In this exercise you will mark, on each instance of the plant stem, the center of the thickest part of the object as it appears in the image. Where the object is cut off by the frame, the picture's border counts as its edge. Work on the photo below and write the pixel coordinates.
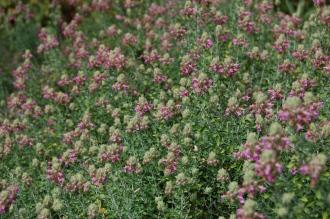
(300, 8)
(289, 5)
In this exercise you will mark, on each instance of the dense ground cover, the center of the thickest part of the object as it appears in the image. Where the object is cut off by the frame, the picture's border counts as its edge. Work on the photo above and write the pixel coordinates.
(165, 109)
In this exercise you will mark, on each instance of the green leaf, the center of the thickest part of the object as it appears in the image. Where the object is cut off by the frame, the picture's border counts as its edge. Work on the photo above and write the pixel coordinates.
(318, 194)
(304, 199)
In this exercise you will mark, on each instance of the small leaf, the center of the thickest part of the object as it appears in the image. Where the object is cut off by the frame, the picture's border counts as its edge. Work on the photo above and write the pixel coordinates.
(318, 194)
(304, 199)
(325, 215)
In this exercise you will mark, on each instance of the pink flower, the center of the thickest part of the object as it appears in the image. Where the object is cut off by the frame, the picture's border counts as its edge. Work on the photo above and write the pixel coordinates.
(48, 42)
(201, 84)
(219, 19)
(132, 166)
(299, 114)
(10, 197)
(166, 112)
(246, 23)
(110, 152)
(314, 168)
(229, 68)
(287, 67)
(187, 68)
(281, 44)
(267, 167)
(319, 2)
(143, 107)
(54, 172)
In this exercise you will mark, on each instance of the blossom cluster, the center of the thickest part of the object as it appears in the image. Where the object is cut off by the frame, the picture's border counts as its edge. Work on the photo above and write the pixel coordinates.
(166, 109)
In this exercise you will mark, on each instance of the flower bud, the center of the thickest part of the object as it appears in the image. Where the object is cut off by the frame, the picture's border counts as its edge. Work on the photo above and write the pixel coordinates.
(287, 197)
(282, 212)
(275, 129)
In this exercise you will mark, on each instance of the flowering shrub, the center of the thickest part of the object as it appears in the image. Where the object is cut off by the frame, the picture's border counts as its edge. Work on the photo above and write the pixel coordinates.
(167, 109)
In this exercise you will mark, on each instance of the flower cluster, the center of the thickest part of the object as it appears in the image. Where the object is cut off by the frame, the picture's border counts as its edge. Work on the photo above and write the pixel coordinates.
(7, 197)
(314, 168)
(175, 109)
(300, 113)
(229, 68)
(48, 41)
